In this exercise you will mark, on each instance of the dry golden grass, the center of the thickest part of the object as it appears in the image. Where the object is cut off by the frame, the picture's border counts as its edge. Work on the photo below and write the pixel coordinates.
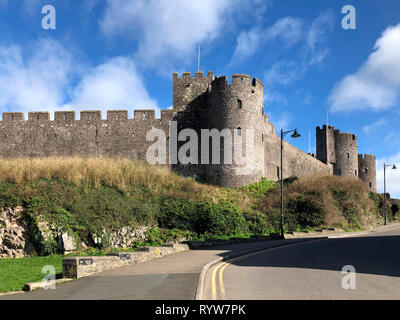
(320, 189)
(113, 172)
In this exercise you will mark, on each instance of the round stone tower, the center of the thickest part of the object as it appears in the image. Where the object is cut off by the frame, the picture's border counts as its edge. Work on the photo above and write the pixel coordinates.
(367, 170)
(346, 154)
(237, 108)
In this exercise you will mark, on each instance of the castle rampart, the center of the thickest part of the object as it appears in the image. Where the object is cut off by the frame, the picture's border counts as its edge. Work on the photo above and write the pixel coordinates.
(200, 102)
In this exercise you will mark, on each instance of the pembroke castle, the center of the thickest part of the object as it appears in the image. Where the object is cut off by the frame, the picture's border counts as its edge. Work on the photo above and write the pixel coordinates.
(199, 102)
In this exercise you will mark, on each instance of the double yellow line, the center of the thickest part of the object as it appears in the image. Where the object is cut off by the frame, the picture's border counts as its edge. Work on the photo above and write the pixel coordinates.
(223, 265)
(221, 268)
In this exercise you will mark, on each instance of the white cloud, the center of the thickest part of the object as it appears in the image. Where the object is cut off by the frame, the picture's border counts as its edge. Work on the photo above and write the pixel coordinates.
(114, 84)
(287, 29)
(35, 82)
(282, 72)
(167, 31)
(45, 77)
(392, 176)
(376, 84)
(376, 124)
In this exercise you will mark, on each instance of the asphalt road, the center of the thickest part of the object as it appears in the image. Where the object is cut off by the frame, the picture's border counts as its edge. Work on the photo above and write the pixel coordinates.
(168, 278)
(313, 270)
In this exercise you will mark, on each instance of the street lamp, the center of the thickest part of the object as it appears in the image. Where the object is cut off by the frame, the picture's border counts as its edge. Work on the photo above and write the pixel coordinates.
(283, 134)
(384, 186)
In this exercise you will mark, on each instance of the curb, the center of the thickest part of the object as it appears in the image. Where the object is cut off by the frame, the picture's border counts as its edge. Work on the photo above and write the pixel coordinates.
(40, 285)
(200, 283)
(10, 293)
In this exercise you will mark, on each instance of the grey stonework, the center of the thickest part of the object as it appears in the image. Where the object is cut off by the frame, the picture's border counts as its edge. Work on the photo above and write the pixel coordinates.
(340, 150)
(200, 102)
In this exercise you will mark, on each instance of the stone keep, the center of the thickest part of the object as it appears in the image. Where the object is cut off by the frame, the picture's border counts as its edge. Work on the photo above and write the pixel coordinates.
(199, 102)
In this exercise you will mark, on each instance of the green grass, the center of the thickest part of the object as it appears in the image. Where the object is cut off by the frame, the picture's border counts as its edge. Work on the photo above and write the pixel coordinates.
(14, 273)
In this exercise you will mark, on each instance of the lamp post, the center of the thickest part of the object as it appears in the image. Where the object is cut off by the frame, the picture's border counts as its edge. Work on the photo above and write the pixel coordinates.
(283, 134)
(384, 186)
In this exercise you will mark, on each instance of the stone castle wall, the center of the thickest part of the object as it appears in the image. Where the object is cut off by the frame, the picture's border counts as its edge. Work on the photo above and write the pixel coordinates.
(200, 102)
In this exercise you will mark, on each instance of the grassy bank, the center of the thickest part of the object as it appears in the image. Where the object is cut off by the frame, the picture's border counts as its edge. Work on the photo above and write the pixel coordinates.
(14, 273)
(95, 197)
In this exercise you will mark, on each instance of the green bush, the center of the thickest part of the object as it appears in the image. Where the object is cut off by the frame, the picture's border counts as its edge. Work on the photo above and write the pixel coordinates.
(262, 186)
(303, 212)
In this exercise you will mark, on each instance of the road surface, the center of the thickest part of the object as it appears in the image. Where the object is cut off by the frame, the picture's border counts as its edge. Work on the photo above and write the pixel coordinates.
(313, 270)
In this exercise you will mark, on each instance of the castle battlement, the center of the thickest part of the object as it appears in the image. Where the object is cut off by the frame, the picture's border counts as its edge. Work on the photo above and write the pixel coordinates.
(187, 76)
(87, 115)
(239, 81)
(366, 157)
(199, 102)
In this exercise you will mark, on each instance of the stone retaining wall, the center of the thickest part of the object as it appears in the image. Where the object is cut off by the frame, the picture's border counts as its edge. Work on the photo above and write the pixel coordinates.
(77, 267)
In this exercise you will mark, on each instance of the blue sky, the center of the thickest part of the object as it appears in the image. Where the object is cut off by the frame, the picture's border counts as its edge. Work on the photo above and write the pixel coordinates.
(107, 54)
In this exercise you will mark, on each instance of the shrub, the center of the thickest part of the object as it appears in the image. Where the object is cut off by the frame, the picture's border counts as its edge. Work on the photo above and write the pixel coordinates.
(304, 212)
(262, 186)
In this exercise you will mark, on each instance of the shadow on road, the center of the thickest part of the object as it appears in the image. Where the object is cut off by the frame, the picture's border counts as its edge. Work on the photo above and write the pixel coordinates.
(379, 255)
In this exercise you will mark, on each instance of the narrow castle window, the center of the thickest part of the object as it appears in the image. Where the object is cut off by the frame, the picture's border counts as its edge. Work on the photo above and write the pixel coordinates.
(347, 155)
(241, 80)
(117, 116)
(262, 137)
(144, 116)
(239, 104)
(239, 131)
(355, 173)
(37, 117)
(339, 172)
(277, 172)
(90, 117)
(12, 117)
(365, 170)
(65, 117)
(370, 184)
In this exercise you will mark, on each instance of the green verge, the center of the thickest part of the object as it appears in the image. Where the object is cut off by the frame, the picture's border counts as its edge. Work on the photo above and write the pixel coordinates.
(14, 273)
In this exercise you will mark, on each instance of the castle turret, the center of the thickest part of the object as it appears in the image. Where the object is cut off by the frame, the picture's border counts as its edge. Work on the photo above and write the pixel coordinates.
(346, 154)
(367, 170)
(326, 148)
(238, 107)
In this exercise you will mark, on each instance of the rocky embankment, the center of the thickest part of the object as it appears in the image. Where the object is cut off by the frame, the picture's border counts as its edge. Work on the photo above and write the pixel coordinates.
(17, 239)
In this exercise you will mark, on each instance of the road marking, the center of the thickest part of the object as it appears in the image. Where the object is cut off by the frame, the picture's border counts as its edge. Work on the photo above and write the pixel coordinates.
(213, 286)
(224, 265)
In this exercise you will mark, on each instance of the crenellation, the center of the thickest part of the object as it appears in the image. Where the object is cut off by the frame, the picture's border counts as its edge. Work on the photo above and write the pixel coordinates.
(257, 83)
(39, 116)
(91, 115)
(144, 115)
(65, 116)
(13, 116)
(199, 102)
(243, 80)
(167, 115)
(117, 115)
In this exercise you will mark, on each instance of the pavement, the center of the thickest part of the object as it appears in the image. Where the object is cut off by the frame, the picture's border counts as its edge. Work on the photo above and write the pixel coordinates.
(313, 270)
(303, 268)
